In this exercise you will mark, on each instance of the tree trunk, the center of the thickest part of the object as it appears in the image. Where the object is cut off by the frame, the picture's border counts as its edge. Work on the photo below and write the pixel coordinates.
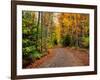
(38, 23)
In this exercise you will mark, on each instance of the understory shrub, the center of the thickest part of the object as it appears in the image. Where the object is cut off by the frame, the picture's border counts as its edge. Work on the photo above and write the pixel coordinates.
(66, 40)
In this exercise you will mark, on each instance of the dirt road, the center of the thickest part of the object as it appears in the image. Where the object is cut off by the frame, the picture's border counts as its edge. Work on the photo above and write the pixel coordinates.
(63, 57)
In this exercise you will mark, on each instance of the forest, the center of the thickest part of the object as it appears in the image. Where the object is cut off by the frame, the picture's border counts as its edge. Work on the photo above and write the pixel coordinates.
(42, 31)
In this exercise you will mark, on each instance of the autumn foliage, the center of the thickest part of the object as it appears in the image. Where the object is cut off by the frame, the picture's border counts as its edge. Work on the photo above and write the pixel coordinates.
(44, 30)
